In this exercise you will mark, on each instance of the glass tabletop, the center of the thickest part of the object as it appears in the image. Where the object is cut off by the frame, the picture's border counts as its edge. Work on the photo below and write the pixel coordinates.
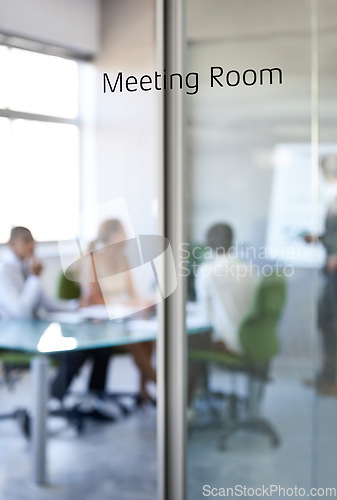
(43, 336)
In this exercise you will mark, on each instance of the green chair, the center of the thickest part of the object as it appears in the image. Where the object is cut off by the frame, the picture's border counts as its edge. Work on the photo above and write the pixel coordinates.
(13, 364)
(259, 342)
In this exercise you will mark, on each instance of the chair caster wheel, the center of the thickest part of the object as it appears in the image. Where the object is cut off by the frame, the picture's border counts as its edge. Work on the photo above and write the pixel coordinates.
(79, 428)
(24, 422)
(78, 424)
(276, 442)
(125, 411)
(222, 446)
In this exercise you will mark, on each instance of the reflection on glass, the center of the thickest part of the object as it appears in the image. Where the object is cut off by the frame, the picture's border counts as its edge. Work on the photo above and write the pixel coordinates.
(52, 340)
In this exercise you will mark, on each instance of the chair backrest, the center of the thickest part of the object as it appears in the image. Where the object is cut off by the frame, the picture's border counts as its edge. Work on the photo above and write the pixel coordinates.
(67, 289)
(258, 330)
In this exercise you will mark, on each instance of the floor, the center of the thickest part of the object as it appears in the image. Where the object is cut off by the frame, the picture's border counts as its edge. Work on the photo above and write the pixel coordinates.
(108, 461)
(118, 461)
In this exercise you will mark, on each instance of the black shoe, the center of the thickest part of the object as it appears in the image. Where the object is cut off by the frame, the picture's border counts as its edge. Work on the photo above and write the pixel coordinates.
(143, 401)
(100, 415)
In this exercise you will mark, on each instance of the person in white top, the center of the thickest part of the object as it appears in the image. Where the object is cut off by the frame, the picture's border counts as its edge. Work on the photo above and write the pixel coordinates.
(21, 292)
(111, 261)
(22, 297)
(225, 287)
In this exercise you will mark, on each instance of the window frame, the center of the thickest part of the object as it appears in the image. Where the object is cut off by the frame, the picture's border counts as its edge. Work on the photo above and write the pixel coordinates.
(49, 247)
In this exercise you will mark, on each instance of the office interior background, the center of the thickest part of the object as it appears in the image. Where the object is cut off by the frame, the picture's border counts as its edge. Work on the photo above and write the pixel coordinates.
(251, 159)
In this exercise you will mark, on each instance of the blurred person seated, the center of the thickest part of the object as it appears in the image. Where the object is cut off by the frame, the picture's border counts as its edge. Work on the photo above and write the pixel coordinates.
(110, 260)
(22, 297)
(225, 286)
(21, 291)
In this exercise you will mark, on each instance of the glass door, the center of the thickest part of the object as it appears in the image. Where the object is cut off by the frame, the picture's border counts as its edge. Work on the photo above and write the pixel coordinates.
(259, 409)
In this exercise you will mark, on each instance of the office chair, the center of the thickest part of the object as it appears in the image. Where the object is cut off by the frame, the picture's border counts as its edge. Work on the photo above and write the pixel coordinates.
(13, 365)
(259, 342)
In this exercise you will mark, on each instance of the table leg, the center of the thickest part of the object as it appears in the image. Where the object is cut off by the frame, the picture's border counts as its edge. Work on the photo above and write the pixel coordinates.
(40, 366)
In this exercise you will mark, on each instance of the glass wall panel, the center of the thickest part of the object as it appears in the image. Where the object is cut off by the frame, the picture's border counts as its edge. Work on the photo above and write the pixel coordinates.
(79, 169)
(326, 410)
(253, 265)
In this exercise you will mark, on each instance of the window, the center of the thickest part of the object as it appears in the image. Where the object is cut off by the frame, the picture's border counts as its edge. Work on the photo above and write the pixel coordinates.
(39, 156)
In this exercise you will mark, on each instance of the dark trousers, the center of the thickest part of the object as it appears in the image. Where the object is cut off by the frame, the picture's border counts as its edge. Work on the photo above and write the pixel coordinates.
(327, 317)
(70, 364)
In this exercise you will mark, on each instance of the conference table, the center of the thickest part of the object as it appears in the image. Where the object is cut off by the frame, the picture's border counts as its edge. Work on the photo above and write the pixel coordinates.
(41, 337)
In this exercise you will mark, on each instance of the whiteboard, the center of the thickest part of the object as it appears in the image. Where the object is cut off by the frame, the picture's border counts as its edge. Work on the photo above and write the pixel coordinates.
(298, 203)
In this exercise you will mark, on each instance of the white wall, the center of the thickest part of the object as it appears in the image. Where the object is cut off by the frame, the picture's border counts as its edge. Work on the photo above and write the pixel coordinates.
(126, 123)
(232, 132)
(72, 24)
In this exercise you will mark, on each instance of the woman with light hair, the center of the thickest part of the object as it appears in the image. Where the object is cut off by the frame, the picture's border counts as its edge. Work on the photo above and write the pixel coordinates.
(108, 259)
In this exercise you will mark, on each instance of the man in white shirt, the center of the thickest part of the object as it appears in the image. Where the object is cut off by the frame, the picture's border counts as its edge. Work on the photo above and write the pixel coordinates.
(21, 293)
(225, 287)
(22, 296)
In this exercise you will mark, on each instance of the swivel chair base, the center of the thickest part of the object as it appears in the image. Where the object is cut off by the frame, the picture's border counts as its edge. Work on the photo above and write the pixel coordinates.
(253, 424)
(22, 418)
